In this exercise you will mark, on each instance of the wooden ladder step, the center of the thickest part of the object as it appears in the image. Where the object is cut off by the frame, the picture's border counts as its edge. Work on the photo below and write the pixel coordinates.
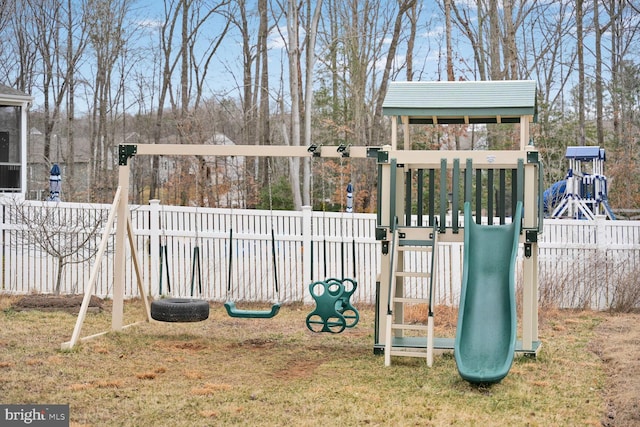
(411, 300)
(424, 274)
(408, 327)
(408, 353)
(415, 249)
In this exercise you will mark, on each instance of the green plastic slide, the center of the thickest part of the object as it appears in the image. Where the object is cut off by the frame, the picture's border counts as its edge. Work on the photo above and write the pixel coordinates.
(486, 333)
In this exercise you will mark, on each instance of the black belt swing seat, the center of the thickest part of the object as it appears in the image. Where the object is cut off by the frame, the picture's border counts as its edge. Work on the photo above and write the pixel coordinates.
(230, 306)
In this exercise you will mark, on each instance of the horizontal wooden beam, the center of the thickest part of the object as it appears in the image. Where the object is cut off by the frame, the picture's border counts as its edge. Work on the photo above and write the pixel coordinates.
(248, 150)
(426, 159)
(430, 159)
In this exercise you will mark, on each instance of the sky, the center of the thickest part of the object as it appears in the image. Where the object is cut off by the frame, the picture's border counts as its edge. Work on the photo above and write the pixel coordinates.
(226, 69)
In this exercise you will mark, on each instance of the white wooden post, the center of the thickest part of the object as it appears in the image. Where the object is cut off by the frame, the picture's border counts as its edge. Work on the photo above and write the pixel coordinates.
(24, 136)
(601, 249)
(306, 253)
(120, 250)
(394, 132)
(530, 264)
(154, 246)
(406, 144)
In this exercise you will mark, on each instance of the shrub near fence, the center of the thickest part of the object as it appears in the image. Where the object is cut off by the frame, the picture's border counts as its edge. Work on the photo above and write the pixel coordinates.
(582, 263)
(590, 264)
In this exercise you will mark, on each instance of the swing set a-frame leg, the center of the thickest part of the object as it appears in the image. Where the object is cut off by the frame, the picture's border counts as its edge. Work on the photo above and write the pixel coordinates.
(118, 292)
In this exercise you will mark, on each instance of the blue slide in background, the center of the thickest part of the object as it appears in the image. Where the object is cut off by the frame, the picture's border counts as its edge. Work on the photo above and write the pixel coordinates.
(487, 322)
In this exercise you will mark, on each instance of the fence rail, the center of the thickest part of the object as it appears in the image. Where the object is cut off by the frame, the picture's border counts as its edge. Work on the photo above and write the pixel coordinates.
(582, 263)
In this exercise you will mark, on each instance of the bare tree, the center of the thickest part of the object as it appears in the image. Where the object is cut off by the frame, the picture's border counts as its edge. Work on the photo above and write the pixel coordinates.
(404, 6)
(254, 87)
(624, 29)
(312, 33)
(550, 58)
(47, 18)
(76, 44)
(262, 70)
(18, 55)
(581, 71)
(6, 10)
(449, 48)
(182, 28)
(107, 36)
(69, 235)
(492, 32)
(547, 57)
(295, 85)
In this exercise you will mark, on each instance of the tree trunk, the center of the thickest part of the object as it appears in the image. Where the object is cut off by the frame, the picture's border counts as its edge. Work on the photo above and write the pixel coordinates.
(61, 264)
(494, 41)
(294, 86)
(447, 25)
(510, 49)
(70, 154)
(581, 77)
(308, 101)
(598, 76)
(413, 23)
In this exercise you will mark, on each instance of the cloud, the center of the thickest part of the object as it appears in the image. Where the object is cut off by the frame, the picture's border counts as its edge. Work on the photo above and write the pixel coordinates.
(149, 23)
(435, 32)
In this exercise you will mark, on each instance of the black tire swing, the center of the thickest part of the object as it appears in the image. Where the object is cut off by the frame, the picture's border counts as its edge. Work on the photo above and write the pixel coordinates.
(180, 309)
(230, 305)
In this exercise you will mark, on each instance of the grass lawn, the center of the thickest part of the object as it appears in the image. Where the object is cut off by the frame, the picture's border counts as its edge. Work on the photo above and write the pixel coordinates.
(227, 371)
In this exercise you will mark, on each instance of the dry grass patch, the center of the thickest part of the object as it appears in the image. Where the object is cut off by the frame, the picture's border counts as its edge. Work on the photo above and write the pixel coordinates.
(150, 375)
(264, 372)
(96, 384)
(209, 414)
(146, 375)
(80, 387)
(194, 375)
(617, 346)
(209, 389)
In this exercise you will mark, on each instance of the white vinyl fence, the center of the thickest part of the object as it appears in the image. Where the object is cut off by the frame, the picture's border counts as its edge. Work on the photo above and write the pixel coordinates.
(582, 263)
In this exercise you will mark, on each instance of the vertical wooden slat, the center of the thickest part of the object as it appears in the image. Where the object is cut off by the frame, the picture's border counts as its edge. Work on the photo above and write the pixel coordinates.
(490, 212)
(443, 195)
(514, 189)
(432, 197)
(478, 196)
(408, 197)
(468, 181)
(455, 196)
(502, 195)
(420, 197)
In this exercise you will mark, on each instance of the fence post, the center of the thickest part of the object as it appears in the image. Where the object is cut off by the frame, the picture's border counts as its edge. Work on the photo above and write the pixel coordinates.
(154, 246)
(306, 253)
(601, 262)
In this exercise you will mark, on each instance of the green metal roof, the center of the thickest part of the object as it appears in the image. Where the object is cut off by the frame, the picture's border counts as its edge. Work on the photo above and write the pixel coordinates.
(493, 101)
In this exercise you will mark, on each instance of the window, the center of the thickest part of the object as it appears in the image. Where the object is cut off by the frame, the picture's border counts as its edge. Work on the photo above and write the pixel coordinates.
(10, 149)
